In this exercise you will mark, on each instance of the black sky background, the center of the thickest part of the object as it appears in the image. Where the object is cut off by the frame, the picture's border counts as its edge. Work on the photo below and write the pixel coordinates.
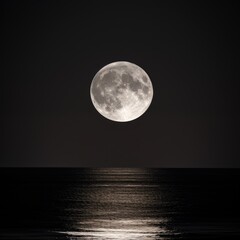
(53, 49)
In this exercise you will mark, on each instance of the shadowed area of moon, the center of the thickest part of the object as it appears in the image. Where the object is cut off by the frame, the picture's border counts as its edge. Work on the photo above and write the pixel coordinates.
(121, 91)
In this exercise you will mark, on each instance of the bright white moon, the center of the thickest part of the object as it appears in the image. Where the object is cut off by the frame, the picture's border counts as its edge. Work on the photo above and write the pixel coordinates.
(121, 91)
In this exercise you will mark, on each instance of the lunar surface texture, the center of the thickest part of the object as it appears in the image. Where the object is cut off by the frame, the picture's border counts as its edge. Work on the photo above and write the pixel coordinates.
(121, 91)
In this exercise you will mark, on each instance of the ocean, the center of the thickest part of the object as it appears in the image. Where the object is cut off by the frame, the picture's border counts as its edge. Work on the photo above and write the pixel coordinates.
(119, 203)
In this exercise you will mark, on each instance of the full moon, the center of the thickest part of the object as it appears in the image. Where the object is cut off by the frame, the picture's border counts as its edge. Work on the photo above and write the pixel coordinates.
(121, 91)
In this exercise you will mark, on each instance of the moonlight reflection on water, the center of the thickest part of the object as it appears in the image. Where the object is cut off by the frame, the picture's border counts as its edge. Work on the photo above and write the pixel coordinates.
(122, 229)
(118, 204)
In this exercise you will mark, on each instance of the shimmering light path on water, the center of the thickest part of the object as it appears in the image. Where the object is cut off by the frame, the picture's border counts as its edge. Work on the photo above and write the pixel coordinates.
(119, 204)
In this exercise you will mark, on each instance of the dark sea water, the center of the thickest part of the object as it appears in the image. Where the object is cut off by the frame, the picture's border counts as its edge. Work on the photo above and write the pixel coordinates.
(121, 203)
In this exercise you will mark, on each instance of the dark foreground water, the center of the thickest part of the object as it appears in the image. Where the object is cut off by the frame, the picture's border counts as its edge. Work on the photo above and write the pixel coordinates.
(126, 203)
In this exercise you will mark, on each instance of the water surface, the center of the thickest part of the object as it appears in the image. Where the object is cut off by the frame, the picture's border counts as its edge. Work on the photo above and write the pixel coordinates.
(120, 203)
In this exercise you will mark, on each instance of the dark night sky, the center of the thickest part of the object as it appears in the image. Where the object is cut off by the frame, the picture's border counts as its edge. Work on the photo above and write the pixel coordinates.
(53, 49)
